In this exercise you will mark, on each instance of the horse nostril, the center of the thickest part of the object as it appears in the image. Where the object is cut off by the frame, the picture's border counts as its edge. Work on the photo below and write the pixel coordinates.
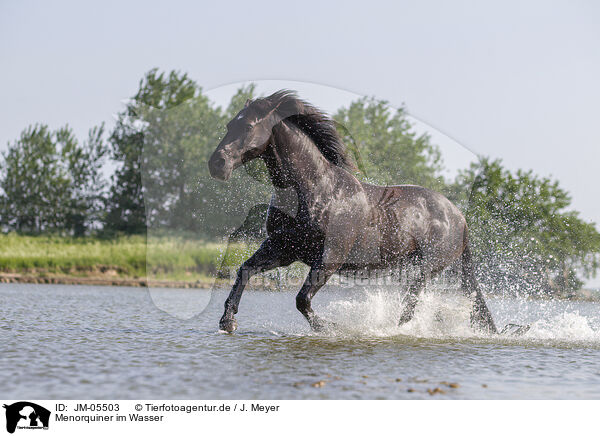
(219, 162)
(219, 167)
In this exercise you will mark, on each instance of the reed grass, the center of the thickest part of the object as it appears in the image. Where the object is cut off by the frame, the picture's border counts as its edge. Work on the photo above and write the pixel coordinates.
(169, 258)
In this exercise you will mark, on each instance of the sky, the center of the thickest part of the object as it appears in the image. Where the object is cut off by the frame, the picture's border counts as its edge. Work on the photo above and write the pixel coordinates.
(512, 80)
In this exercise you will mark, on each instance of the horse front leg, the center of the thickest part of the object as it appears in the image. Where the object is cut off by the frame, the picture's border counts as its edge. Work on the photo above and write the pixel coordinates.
(271, 254)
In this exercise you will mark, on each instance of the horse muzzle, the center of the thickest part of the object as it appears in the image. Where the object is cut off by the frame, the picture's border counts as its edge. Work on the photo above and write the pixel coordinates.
(219, 166)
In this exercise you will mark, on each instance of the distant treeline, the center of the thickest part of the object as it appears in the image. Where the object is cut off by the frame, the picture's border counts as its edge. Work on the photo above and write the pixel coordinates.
(522, 227)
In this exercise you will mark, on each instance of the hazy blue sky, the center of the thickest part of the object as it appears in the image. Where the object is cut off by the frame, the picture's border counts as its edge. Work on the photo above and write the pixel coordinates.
(514, 80)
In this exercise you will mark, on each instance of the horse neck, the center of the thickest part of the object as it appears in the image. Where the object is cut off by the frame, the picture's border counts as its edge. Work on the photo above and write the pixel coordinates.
(298, 162)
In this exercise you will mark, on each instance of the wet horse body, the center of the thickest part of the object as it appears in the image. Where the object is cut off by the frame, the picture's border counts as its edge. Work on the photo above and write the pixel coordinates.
(330, 220)
(400, 224)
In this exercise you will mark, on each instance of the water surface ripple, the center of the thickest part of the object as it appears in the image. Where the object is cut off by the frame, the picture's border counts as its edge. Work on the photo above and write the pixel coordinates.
(73, 342)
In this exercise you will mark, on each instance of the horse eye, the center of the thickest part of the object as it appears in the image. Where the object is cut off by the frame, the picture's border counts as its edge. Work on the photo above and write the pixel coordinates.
(248, 127)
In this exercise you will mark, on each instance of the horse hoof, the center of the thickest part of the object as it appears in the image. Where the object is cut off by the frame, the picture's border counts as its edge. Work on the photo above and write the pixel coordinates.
(484, 329)
(321, 325)
(228, 325)
(515, 329)
(404, 320)
(483, 325)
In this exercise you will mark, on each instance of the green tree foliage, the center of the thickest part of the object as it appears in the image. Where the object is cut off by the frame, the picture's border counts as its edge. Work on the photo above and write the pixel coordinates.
(126, 210)
(389, 151)
(162, 142)
(176, 140)
(523, 231)
(51, 182)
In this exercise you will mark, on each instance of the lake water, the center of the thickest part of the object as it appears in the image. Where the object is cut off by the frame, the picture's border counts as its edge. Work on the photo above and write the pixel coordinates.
(104, 343)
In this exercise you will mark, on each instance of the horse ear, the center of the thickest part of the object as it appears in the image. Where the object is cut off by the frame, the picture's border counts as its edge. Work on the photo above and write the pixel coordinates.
(248, 101)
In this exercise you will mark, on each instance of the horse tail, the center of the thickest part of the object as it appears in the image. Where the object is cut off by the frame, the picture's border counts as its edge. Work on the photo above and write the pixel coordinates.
(480, 316)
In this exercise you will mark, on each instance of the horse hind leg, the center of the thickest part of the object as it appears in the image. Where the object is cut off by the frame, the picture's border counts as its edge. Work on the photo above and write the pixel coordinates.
(412, 298)
(429, 268)
(481, 317)
(317, 277)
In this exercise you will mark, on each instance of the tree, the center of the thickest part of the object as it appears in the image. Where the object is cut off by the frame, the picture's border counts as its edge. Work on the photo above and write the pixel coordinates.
(389, 151)
(51, 182)
(162, 143)
(32, 181)
(85, 207)
(126, 209)
(175, 152)
(524, 233)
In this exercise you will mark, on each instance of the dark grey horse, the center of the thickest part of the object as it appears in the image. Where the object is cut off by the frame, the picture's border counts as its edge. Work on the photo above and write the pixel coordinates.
(337, 223)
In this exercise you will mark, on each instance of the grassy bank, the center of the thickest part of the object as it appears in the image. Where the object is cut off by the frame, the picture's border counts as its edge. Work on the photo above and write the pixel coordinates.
(126, 257)
(133, 261)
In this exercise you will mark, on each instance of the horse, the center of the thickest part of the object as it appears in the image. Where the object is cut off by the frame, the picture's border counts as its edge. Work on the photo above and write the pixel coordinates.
(338, 223)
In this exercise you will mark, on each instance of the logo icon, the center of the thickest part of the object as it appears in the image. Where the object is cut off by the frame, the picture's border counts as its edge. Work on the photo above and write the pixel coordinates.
(26, 415)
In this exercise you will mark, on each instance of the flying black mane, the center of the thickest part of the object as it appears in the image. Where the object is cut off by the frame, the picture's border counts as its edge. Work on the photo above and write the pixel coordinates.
(314, 123)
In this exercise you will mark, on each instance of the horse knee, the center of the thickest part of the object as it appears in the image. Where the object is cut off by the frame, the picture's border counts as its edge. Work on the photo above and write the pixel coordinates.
(245, 272)
(302, 303)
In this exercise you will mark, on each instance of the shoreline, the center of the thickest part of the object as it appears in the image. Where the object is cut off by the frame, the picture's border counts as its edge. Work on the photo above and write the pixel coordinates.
(203, 283)
(104, 281)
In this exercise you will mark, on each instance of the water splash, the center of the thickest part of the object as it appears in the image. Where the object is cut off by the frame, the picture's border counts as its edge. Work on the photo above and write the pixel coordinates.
(565, 327)
(375, 313)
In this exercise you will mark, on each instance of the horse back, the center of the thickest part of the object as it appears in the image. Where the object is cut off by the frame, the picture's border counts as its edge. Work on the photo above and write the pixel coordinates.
(412, 218)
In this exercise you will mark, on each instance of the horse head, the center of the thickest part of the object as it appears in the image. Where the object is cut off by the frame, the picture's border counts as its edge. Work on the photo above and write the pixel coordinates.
(248, 135)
